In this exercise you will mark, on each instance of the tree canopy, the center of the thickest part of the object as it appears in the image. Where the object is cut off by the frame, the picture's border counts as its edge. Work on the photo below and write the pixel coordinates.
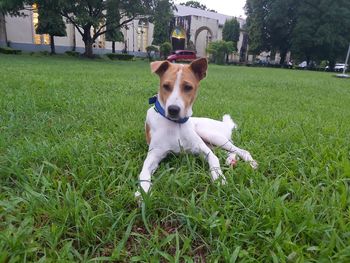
(231, 31)
(312, 29)
(198, 5)
(162, 18)
(93, 16)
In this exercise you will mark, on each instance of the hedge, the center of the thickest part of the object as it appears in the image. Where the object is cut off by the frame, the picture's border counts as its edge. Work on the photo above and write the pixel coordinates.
(117, 56)
(7, 50)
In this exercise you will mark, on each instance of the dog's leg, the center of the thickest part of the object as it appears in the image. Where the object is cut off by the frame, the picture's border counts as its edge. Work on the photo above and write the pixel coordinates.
(151, 163)
(213, 162)
(221, 141)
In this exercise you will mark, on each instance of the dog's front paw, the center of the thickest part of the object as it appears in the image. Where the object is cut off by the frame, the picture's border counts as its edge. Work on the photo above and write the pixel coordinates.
(254, 164)
(217, 175)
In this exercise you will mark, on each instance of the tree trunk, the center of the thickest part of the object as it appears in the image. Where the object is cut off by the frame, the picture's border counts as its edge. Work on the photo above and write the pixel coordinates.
(52, 45)
(3, 33)
(88, 49)
(88, 41)
(283, 57)
(113, 46)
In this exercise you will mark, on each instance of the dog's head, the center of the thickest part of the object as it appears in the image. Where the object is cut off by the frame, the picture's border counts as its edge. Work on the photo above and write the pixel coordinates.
(179, 85)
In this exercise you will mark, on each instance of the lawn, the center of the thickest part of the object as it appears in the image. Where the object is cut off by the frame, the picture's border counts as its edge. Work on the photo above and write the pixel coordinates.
(72, 145)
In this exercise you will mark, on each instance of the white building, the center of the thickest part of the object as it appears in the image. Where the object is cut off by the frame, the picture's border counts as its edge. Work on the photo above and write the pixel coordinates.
(192, 27)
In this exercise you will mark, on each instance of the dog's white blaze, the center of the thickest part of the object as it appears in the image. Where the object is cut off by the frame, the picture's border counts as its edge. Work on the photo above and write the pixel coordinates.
(175, 98)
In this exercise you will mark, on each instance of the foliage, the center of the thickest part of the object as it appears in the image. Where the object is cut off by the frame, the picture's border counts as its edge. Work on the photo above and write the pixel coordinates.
(162, 18)
(72, 53)
(231, 31)
(72, 145)
(88, 15)
(198, 5)
(281, 20)
(117, 56)
(11, 7)
(150, 50)
(165, 49)
(220, 49)
(322, 31)
(312, 30)
(7, 50)
(256, 26)
(50, 20)
(112, 22)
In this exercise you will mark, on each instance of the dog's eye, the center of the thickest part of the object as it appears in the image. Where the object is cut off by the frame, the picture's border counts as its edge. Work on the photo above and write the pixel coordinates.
(167, 87)
(188, 88)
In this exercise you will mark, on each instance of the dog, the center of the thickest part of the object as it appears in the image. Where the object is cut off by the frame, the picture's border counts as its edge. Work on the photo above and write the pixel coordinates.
(170, 128)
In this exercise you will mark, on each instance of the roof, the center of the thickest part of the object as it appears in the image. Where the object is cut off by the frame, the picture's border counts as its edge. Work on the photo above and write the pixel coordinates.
(190, 11)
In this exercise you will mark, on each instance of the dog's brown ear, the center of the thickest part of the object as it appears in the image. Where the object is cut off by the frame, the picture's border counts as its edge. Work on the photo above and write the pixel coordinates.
(159, 67)
(199, 68)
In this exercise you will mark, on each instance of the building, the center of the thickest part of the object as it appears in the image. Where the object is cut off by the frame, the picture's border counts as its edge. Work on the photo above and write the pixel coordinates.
(191, 29)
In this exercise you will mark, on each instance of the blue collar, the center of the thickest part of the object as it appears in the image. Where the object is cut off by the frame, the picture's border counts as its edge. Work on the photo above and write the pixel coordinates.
(158, 108)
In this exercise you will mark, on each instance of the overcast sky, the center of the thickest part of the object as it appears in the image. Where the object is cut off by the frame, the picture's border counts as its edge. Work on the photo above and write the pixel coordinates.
(227, 7)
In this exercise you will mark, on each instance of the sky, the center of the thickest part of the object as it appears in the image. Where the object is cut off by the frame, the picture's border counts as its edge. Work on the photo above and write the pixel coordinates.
(226, 7)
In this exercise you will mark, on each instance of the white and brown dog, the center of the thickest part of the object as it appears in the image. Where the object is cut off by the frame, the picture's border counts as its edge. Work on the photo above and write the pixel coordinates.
(170, 127)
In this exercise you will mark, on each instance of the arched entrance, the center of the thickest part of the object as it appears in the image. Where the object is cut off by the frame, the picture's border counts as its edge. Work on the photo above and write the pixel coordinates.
(178, 38)
(203, 37)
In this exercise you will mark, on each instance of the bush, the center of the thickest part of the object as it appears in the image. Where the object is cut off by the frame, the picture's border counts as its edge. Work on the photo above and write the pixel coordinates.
(220, 50)
(72, 53)
(7, 50)
(151, 49)
(44, 53)
(165, 49)
(117, 56)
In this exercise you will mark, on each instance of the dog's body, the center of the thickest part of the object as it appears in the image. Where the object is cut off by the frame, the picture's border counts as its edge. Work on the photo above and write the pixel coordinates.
(175, 131)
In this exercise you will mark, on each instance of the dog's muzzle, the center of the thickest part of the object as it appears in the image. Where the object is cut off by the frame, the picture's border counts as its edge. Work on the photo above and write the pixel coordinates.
(174, 111)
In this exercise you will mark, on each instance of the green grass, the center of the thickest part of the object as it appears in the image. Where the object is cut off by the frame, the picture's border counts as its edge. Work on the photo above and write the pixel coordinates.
(72, 145)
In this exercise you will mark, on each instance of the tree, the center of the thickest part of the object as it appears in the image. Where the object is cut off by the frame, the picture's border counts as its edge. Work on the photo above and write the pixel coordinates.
(90, 17)
(231, 32)
(162, 18)
(50, 21)
(322, 31)
(150, 50)
(196, 4)
(280, 21)
(256, 11)
(219, 50)
(113, 20)
(165, 49)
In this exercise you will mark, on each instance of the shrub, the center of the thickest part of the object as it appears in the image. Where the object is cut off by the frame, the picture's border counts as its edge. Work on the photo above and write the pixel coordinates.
(7, 50)
(117, 56)
(165, 49)
(220, 49)
(44, 53)
(72, 53)
(151, 49)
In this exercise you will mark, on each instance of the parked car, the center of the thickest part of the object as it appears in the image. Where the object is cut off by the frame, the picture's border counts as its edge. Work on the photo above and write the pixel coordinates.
(182, 55)
(303, 65)
(339, 67)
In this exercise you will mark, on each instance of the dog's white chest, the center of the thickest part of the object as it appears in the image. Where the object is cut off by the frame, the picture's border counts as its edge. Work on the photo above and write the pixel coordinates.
(170, 135)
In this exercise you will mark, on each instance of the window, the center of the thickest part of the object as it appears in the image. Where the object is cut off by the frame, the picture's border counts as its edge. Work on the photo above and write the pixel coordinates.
(37, 38)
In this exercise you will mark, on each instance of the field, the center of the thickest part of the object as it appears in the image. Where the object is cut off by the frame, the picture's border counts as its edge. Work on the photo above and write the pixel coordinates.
(72, 145)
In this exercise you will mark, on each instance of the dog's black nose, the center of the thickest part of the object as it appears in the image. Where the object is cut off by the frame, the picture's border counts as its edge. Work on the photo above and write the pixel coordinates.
(173, 111)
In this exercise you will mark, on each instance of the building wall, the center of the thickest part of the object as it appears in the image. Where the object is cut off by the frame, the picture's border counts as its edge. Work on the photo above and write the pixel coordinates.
(20, 29)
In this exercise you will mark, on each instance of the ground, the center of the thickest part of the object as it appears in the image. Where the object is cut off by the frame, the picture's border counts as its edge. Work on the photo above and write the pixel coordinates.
(72, 144)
